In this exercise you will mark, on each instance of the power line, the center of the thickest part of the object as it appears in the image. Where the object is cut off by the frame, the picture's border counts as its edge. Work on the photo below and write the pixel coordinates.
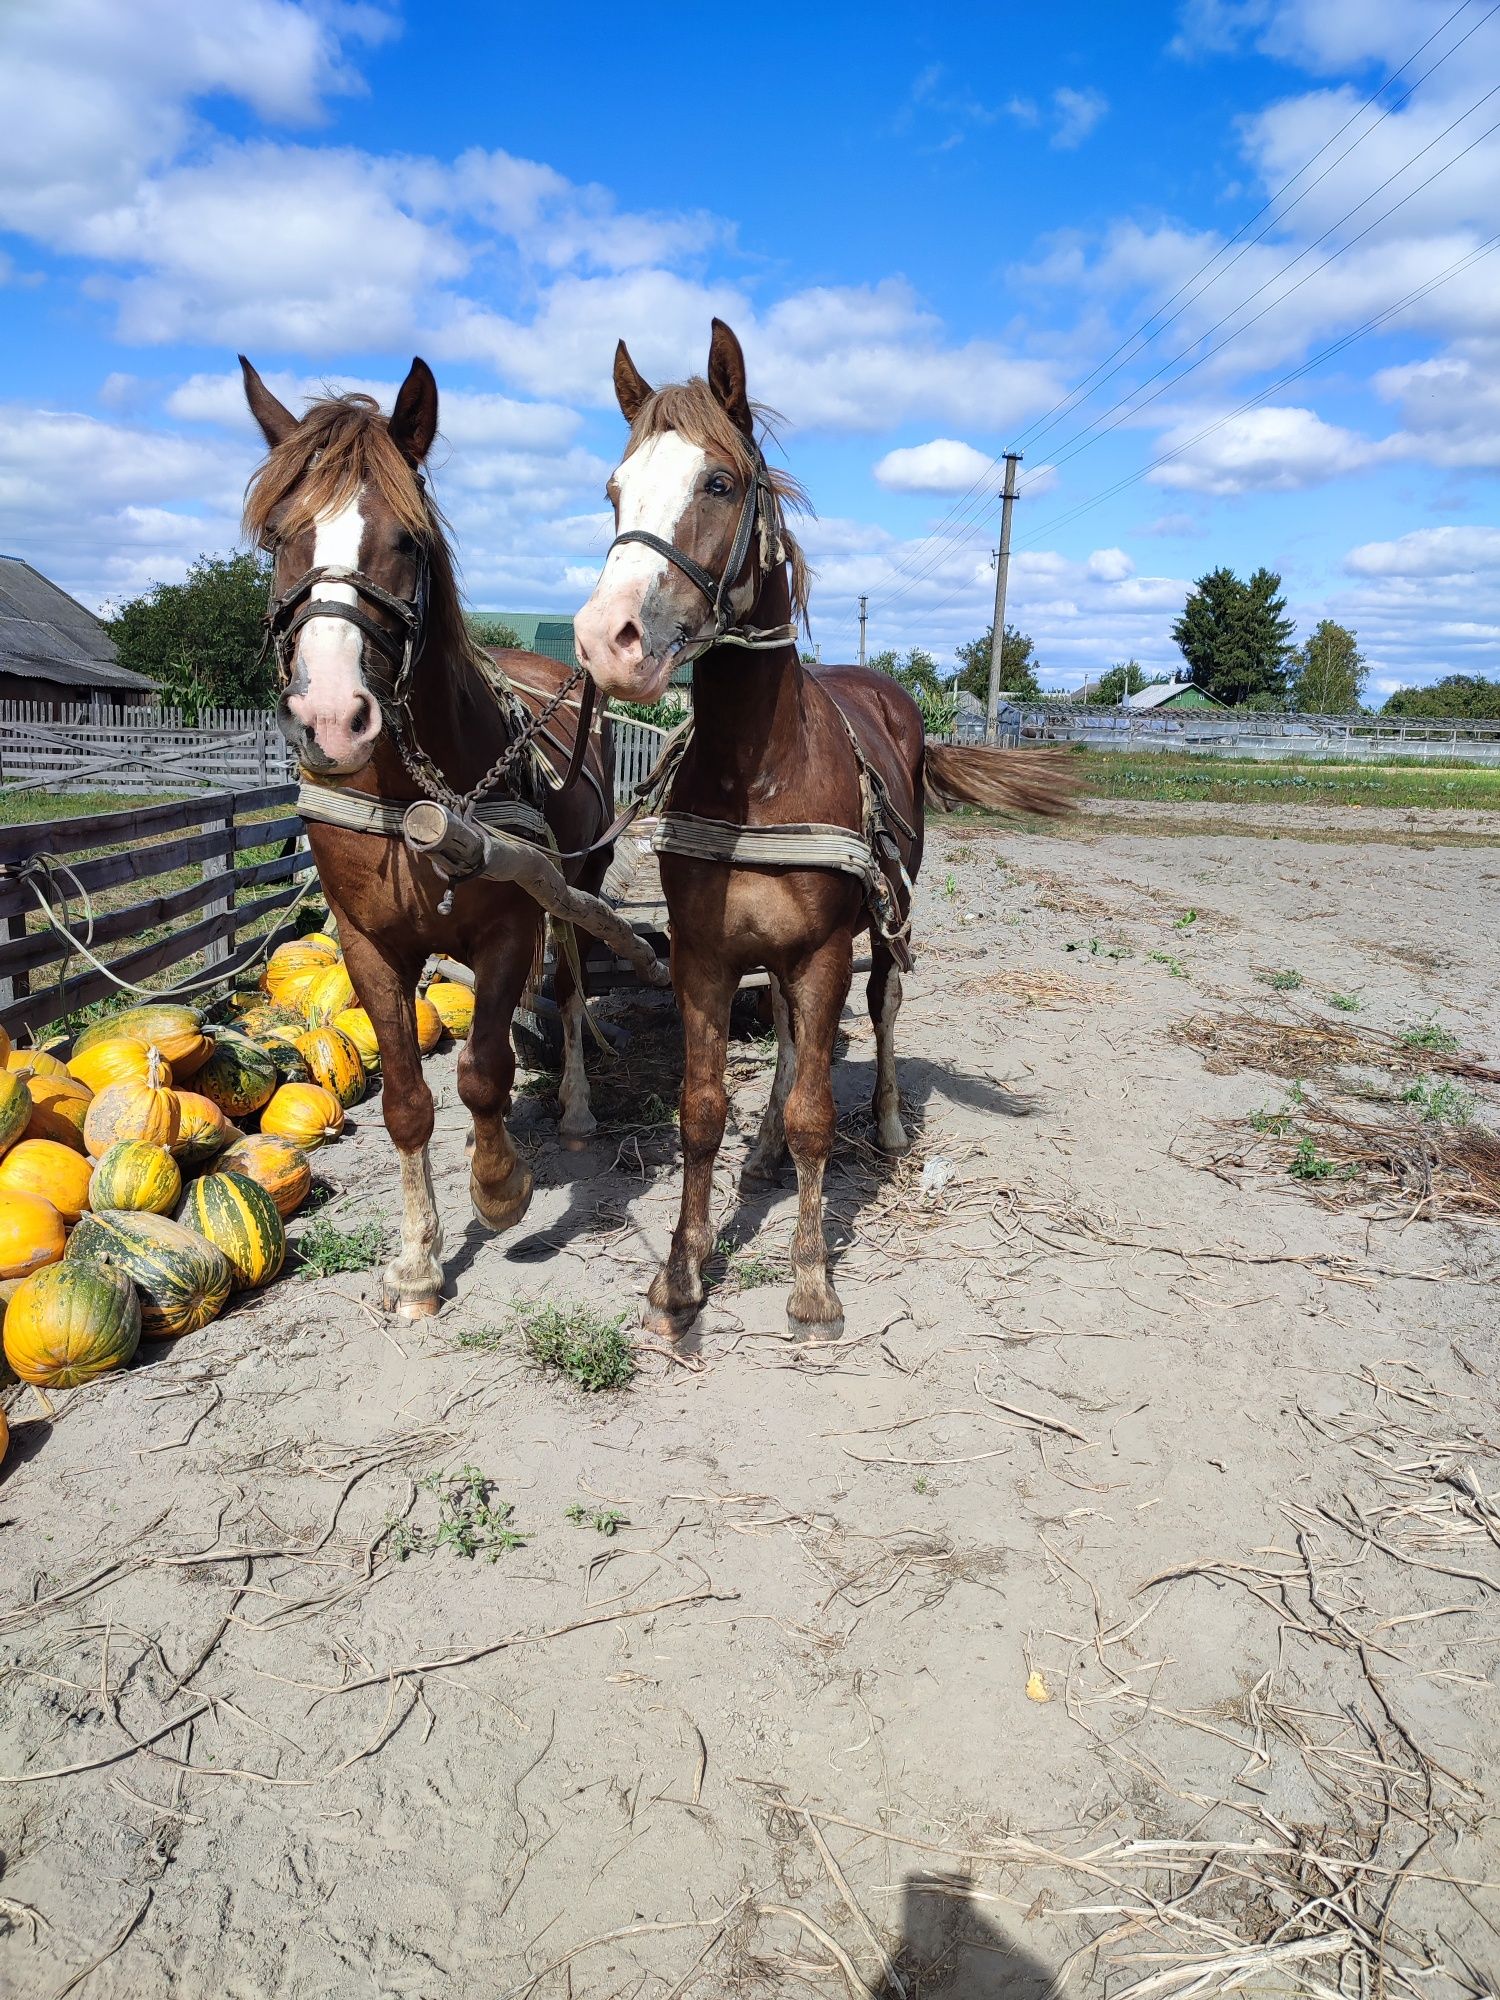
(1126, 407)
(1073, 396)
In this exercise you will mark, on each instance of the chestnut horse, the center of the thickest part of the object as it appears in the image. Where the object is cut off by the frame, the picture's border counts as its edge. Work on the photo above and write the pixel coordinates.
(385, 697)
(702, 568)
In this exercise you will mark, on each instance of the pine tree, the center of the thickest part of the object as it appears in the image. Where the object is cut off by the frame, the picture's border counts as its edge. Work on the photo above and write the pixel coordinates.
(1236, 638)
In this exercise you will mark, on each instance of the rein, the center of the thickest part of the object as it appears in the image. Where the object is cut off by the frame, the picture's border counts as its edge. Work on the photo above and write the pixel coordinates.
(728, 630)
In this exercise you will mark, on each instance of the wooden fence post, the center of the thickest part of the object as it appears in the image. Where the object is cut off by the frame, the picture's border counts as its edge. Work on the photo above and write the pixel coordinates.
(221, 864)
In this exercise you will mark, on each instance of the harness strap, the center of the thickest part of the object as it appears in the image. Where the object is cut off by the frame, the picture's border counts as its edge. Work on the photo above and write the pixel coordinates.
(809, 845)
(362, 812)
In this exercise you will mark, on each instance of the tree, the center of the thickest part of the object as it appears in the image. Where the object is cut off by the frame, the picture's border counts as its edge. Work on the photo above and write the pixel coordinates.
(1236, 638)
(488, 628)
(918, 674)
(1466, 696)
(1125, 677)
(1018, 665)
(1328, 671)
(200, 640)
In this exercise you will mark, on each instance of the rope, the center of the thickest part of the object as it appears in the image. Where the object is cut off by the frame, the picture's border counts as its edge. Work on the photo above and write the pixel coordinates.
(46, 867)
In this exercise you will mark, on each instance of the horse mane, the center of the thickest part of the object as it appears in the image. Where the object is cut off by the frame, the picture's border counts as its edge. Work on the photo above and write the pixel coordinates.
(692, 410)
(342, 446)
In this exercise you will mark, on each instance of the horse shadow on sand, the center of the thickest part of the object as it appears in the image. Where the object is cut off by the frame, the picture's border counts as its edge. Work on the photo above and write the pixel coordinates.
(636, 1089)
(949, 1950)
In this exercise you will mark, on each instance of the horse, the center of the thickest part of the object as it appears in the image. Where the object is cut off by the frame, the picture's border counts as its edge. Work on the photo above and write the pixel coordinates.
(385, 699)
(795, 817)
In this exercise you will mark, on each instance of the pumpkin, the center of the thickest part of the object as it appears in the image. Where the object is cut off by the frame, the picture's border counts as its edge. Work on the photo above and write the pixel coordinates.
(176, 1031)
(454, 1004)
(15, 1109)
(329, 993)
(202, 1128)
(289, 989)
(290, 1064)
(182, 1278)
(304, 1112)
(26, 1063)
(55, 1172)
(237, 1215)
(135, 1174)
(72, 1322)
(133, 1110)
(429, 1027)
(357, 1025)
(32, 1233)
(303, 954)
(59, 1105)
(335, 1063)
(257, 1022)
(278, 1165)
(238, 1076)
(122, 1059)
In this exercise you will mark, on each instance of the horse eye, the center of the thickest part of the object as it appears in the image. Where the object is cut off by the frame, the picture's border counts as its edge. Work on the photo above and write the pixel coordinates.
(719, 484)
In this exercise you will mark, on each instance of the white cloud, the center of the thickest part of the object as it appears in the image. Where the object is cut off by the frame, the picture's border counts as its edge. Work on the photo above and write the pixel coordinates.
(1270, 450)
(945, 465)
(1429, 552)
(1076, 113)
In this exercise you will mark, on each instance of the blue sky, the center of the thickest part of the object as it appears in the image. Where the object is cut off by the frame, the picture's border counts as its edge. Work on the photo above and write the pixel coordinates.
(927, 226)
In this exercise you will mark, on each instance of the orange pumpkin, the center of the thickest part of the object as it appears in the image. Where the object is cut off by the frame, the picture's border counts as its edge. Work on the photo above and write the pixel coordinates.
(72, 1322)
(202, 1128)
(59, 1105)
(134, 1174)
(15, 1109)
(357, 1025)
(177, 1031)
(305, 1113)
(26, 1063)
(56, 1173)
(455, 1006)
(329, 993)
(287, 991)
(303, 954)
(334, 1062)
(32, 1233)
(429, 1027)
(123, 1059)
(133, 1110)
(278, 1165)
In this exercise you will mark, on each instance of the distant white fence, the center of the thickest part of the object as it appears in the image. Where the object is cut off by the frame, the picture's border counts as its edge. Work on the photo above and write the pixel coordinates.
(102, 749)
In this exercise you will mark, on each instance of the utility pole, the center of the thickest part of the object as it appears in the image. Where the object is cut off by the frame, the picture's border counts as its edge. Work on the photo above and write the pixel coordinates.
(862, 603)
(1002, 577)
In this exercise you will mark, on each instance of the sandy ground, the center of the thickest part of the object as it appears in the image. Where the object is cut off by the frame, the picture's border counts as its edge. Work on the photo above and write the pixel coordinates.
(1118, 1599)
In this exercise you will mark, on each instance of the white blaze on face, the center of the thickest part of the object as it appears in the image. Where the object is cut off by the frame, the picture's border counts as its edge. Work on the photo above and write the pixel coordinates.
(656, 486)
(335, 703)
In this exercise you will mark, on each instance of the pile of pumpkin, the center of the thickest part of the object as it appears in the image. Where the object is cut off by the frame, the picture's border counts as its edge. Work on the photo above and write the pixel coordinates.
(134, 1198)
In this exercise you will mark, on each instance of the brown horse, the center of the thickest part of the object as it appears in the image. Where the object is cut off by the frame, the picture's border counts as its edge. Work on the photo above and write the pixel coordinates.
(703, 568)
(385, 697)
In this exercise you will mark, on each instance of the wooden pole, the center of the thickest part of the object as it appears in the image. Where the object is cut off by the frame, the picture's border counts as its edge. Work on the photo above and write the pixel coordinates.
(1002, 577)
(458, 847)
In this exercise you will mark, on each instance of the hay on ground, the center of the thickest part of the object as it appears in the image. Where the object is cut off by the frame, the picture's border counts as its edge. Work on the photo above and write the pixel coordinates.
(1306, 1047)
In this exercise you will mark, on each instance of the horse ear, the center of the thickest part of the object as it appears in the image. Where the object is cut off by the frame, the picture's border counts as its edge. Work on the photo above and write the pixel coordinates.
(275, 419)
(726, 377)
(414, 420)
(631, 387)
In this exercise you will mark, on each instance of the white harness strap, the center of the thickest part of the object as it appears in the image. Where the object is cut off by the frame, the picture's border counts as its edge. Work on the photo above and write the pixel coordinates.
(794, 846)
(359, 812)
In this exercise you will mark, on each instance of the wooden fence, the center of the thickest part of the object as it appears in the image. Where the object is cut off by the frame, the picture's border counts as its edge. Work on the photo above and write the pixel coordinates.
(42, 979)
(96, 748)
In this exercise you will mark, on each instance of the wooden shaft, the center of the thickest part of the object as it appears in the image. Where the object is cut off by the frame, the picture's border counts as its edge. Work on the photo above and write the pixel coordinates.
(463, 849)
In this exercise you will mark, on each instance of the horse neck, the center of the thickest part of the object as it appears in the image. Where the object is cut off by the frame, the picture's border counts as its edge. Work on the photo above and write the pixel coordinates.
(748, 706)
(453, 717)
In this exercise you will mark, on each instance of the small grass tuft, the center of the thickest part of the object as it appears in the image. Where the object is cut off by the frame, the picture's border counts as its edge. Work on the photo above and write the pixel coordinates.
(1174, 965)
(1347, 1003)
(1097, 948)
(1430, 1035)
(1186, 920)
(470, 1522)
(1440, 1101)
(1308, 1164)
(603, 1519)
(324, 1250)
(1284, 981)
(577, 1340)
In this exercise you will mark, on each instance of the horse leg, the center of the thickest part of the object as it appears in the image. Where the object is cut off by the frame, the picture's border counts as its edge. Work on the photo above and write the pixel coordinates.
(816, 996)
(884, 996)
(768, 1152)
(577, 1124)
(500, 1182)
(412, 1282)
(704, 993)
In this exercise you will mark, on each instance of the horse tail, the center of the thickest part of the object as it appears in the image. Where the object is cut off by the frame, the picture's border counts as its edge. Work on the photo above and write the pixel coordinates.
(1019, 781)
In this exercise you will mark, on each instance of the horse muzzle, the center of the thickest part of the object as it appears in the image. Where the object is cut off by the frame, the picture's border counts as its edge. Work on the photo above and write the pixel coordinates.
(331, 739)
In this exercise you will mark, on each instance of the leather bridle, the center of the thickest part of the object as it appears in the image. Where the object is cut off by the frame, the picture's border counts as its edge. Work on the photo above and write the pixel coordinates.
(388, 674)
(755, 516)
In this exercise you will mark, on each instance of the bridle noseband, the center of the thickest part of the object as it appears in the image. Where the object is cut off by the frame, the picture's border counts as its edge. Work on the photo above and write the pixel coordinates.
(389, 671)
(728, 630)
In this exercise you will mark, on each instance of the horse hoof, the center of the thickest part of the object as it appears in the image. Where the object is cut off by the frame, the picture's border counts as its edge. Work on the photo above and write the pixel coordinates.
(814, 1330)
(664, 1324)
(761, 1171)
(505, 1212)
(574, 1142)
(408, 1304)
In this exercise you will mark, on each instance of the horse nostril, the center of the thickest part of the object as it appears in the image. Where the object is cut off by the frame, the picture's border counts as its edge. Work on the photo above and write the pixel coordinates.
(362, 716)
(628, 638)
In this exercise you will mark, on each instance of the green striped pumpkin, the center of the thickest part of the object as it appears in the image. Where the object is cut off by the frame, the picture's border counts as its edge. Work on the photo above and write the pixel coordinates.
(239, 1076)
(182, 1278)
(237, 1215)
(136, 1175)
(71, 1322)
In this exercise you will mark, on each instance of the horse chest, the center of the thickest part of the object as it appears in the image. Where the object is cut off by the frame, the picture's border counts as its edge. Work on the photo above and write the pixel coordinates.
(756, 916)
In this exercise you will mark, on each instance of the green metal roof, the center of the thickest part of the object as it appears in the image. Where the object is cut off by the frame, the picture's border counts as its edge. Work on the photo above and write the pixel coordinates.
(544, 632)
